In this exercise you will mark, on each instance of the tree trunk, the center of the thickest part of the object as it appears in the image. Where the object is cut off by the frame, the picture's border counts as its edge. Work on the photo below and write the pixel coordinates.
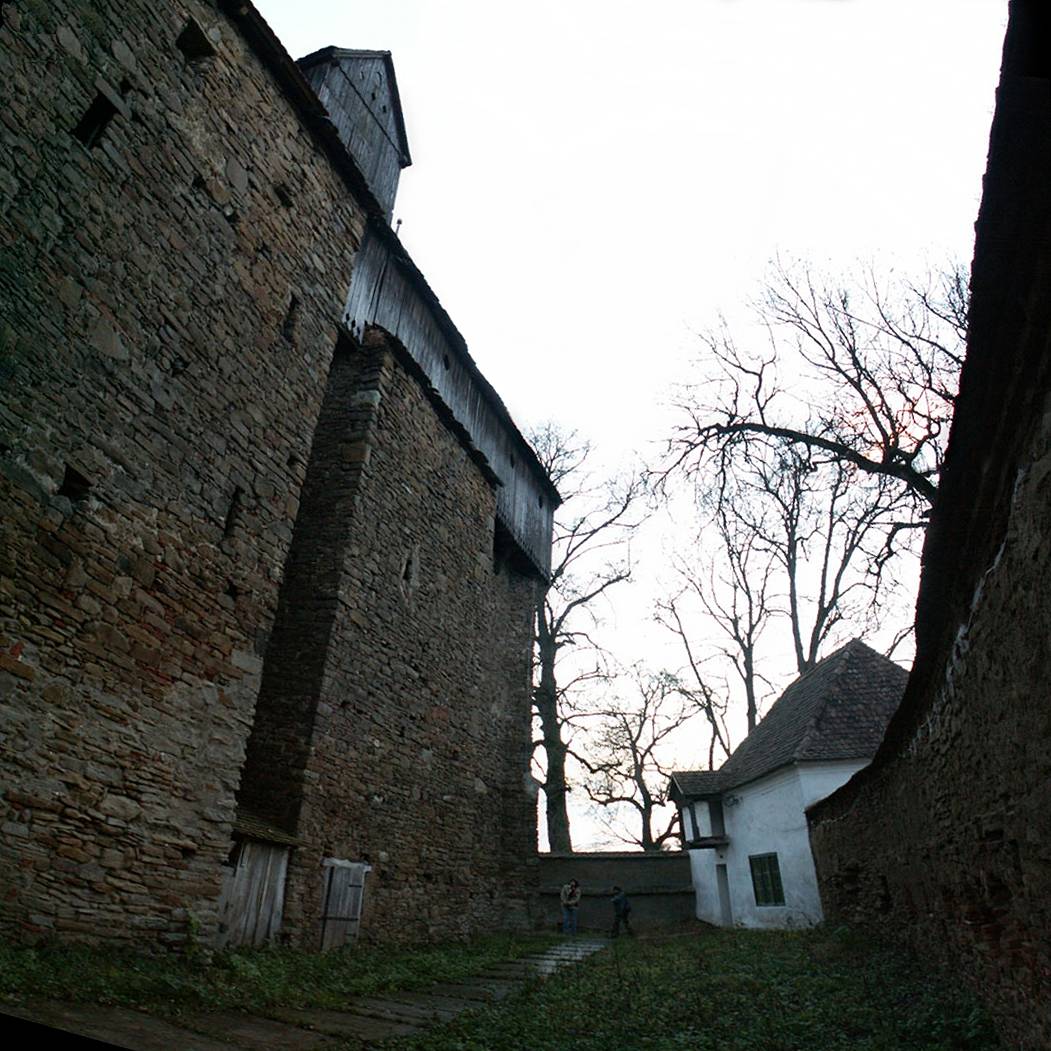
(545, 700)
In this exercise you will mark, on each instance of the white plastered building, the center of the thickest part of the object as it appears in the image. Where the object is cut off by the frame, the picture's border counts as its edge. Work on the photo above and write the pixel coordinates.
(745, 826)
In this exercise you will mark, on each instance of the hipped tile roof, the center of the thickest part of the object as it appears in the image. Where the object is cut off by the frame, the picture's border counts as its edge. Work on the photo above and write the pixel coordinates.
(837, 710)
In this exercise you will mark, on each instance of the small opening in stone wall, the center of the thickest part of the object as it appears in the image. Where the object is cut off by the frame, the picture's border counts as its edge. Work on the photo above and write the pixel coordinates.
(232, 590)
(885, 901)
(502, 550)
(230, 214)
(283, 194)
(74, 485)
(94, 122)
(408, 569)
(233, 513)
(193, 42)
(125, 87)
(288, 326)
(178, 366)
(446, 362)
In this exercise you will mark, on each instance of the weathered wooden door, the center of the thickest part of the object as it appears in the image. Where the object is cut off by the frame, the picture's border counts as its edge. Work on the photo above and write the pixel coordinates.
(253, 895)
(344, 896)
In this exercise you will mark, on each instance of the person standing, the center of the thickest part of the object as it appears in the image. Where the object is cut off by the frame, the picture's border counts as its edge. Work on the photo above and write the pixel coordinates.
(570, 902)
(621, 910)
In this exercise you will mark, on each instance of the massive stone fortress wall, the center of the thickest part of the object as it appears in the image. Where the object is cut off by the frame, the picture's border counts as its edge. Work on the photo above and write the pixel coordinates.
(419, 737)
(945, 839)
(175, 252)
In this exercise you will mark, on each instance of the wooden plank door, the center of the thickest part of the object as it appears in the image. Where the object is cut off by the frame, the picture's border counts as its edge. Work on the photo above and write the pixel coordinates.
(253, 895)
(343, 899)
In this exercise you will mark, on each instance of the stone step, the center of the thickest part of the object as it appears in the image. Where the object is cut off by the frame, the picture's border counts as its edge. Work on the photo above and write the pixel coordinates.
(464, 990)
(256, 1032)
(401, 1010)
(367, 1018)
(347, 1024)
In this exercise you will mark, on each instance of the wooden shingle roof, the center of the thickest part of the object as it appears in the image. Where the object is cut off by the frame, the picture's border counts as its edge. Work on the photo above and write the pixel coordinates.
(837, 710)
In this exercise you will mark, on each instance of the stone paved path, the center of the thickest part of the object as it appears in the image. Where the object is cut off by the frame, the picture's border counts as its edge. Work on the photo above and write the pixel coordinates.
(370, 1019)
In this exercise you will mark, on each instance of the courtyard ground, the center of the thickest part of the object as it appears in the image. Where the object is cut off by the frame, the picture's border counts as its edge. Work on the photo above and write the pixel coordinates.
(704, 989)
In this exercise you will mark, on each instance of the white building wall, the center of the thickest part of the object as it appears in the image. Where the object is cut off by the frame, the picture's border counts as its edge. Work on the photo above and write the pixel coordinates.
(822, 779)
(766, 817)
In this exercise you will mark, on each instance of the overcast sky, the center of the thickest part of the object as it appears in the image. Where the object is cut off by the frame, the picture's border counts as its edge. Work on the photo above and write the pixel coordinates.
(596, 180)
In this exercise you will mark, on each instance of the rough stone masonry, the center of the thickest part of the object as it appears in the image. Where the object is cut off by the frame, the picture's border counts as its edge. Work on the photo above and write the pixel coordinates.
(945, 840)
(263, 577)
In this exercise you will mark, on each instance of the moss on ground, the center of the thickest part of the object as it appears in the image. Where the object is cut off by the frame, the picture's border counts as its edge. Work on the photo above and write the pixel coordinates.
(710, 990)
(732, 991)
(249, 980)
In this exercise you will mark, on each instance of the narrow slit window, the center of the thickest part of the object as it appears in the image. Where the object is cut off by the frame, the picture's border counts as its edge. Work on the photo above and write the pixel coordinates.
(95, 121)
(288, 328)
(233, 513)
(75, 486)
(193, 42)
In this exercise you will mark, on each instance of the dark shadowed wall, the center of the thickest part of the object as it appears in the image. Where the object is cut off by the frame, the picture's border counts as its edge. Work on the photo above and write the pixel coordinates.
(945, 840)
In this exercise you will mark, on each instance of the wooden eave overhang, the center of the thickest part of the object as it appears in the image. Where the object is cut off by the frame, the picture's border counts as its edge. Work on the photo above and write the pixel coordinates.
(296, 88)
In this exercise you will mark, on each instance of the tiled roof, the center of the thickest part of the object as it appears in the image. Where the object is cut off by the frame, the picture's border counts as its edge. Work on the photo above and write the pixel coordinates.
(837, 710)
(693, 784)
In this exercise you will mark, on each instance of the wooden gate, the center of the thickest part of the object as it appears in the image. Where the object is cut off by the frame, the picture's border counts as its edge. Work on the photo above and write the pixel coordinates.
(344, 896)
(253, 894)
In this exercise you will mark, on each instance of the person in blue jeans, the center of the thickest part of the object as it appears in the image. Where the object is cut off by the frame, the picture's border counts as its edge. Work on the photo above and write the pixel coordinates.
(570, 902)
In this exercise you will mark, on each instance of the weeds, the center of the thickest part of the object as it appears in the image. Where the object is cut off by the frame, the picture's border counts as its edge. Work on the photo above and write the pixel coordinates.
(251, 980)
(732, 991)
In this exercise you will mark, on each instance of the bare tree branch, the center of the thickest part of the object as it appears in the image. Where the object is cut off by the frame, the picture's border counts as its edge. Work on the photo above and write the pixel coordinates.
(592, 537)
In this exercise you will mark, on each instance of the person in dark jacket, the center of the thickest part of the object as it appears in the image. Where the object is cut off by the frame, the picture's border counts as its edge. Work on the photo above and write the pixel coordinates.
(621, 910)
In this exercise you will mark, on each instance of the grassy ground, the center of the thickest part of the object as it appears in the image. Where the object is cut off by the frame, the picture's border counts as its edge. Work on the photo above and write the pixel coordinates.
(731, 991)
(709, 990)
(251, 980)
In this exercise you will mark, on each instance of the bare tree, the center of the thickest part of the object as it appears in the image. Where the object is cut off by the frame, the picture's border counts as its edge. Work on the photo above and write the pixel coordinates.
(816, 459)
(625, 748)
(865, 377)
(733, 589)
(591, 555)
(825, 529)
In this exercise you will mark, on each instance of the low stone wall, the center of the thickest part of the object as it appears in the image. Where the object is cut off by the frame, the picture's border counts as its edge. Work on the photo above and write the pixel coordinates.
(658, 886)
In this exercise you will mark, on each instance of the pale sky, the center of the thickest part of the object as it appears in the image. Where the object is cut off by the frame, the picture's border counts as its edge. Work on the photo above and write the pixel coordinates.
(593, 181)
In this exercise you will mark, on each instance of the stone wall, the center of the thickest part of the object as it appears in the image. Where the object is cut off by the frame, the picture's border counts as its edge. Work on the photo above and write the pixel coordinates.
(658, 886)
(418, 709)
(945, 840)
(175, 252)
